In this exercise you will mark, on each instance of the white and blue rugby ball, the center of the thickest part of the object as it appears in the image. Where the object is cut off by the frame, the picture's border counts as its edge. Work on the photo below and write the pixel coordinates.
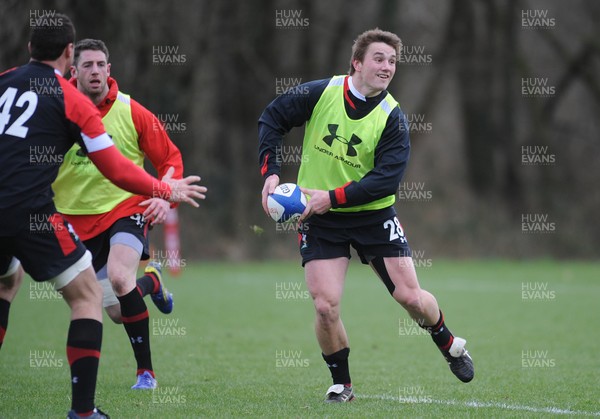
(287, 203)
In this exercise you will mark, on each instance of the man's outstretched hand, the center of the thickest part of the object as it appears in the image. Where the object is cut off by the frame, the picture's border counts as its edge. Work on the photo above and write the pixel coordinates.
(185, 190)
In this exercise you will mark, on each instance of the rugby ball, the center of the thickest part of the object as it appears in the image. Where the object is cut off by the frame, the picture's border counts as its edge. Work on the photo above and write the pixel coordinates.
(286, 203)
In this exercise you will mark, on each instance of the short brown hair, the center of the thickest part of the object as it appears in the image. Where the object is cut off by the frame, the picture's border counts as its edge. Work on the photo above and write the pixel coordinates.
(89, 44)
(49, 37)
(359, 49)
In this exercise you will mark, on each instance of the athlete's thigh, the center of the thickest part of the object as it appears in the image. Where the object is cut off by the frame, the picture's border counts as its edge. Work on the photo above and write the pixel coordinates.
(325, 257)
(123, 260)
(127, 231)
(128, 242)
(325, 278)
(132, 232)
(83, 295)
(397, 273)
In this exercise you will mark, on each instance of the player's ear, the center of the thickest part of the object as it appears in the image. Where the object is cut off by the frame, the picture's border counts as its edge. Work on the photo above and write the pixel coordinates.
(356, 64)
(108, 69)
(68, 51)
(29, 47)
(73, 71)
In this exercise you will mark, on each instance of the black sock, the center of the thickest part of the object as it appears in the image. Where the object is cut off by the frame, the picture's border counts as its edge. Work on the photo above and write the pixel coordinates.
(83, 353)
(337, 363)
(147, 284)
(135, 319)
(4, 309)
(440, 334)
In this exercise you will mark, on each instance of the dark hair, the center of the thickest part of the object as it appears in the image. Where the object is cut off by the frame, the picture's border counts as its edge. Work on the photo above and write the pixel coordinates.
(89, 44)
(359, 49)
(50, 35)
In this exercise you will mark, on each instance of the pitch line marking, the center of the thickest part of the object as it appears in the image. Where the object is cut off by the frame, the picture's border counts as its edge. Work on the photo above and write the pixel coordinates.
(479, 405)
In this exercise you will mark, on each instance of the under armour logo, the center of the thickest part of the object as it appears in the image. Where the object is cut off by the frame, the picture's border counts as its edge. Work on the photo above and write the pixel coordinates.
(137, 339)
(354, 140)
(139, 220)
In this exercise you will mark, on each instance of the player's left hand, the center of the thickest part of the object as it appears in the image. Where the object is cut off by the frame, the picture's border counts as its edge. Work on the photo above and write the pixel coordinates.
(157, 210)
(319, 203)
(184, 190)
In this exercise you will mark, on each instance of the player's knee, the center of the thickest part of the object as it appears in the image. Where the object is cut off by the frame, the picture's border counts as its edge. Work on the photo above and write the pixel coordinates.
(327, 310)
(120, 282)
(411, 301)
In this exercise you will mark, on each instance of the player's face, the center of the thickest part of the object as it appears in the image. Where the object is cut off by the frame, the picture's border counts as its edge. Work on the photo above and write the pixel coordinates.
(374, 73)
(92, 72)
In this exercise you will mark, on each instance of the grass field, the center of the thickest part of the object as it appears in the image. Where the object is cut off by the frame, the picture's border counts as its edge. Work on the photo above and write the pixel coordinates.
(240, 343)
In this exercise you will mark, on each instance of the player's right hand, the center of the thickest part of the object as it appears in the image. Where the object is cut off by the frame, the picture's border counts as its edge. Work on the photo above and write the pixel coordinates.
(269, 187)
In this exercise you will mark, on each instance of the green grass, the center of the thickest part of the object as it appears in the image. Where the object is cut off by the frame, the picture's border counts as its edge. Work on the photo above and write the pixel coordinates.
(224, 350)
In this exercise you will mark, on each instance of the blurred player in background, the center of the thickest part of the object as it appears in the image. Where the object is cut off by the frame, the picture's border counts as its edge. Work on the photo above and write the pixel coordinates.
(355, 151)
(114, 225)
(41, 117)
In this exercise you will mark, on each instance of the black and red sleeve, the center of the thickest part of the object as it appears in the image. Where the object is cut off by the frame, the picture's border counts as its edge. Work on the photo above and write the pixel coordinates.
(289, 110)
